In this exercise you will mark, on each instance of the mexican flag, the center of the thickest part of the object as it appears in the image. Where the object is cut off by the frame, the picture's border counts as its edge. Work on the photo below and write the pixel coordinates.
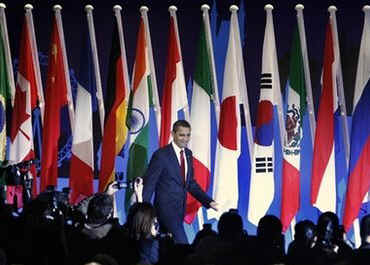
(296, 108)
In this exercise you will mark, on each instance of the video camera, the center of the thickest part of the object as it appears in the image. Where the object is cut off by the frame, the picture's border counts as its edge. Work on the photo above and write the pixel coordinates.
(55, 207)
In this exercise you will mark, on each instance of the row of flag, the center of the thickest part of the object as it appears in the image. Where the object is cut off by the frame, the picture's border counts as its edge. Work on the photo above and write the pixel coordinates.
(130, 111)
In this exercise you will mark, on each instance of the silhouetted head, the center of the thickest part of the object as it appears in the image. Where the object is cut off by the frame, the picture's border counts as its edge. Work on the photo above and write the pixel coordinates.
(269, 228)
(327, 226)
(207, 231)
(305, 232)
(102, 259)
(142, 221)
(230, 226)
(365, 229)
(100, 209)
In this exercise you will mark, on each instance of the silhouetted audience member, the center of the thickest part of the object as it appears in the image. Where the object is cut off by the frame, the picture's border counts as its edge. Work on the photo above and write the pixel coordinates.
(300, 249)
(142, 227)
(207, 231)
(101, 234)
(230, 226)
(365, 232)
(362, 255)
(102, 259)
(269, 246)
(228, 247)
(330, 247)
(44, 239)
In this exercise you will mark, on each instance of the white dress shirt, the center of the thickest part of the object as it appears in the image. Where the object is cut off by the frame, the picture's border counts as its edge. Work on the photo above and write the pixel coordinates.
(177, 152)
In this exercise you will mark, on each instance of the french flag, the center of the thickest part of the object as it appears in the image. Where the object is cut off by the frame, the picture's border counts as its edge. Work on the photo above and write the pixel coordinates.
(82, 160)
(359, 164)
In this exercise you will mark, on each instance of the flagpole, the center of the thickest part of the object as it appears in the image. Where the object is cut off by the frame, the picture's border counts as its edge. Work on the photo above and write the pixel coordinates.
(216, 100)
(302, 35)
(215, 97)
(243, 84)
(58, 17)
(8, 56)
(157, 105)
(117, 12)
(99, 94)
(40, 92)
(341, 98)
(277, 92)
(172, 10)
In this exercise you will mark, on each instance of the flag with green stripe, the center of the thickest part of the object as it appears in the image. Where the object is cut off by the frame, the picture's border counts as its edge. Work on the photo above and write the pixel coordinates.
(139, 112)
(4, 96)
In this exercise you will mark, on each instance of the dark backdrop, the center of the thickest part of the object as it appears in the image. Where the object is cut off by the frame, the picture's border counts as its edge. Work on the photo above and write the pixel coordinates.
(349, 18)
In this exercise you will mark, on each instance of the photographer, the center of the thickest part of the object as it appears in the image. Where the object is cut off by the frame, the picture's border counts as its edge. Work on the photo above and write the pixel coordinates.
(101, 232)
(44, 230)
(142, 227)
(16, 183)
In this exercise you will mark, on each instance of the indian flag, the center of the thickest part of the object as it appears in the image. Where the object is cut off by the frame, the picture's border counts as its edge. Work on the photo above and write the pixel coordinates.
(139, 111)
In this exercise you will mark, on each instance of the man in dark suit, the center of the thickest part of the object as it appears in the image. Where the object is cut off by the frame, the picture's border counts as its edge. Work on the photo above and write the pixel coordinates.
(170, 176)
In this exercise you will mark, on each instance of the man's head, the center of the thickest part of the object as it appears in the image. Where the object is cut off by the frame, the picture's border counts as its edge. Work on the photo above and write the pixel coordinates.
(230, 226)
(365, 229)
(100, 209)
(327, 226)
(181, 131)
(305, 233)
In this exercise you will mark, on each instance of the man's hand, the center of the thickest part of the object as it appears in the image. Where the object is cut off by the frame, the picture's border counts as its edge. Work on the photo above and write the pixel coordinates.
(138, 189)
(214, 205)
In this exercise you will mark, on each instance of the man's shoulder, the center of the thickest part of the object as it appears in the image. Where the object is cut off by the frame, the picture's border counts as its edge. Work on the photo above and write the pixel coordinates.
(163, 150)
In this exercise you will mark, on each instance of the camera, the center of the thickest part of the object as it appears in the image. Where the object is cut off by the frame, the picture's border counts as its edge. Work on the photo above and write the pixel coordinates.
(128, 184)
(123, 185)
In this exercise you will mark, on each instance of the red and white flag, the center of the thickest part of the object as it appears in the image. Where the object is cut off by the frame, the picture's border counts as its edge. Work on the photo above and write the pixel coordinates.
(225, 187)
(174, 98)
(323, 187)
(28, 95)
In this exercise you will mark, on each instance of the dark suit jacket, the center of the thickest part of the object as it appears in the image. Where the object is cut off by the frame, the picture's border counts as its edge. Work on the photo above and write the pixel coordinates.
(164, 178)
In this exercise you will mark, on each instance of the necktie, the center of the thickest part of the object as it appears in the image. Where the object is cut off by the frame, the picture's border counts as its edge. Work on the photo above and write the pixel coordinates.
(182, 165)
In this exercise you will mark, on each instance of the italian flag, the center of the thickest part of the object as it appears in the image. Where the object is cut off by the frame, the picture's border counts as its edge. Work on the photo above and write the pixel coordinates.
(296, 107)
(201, 123)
